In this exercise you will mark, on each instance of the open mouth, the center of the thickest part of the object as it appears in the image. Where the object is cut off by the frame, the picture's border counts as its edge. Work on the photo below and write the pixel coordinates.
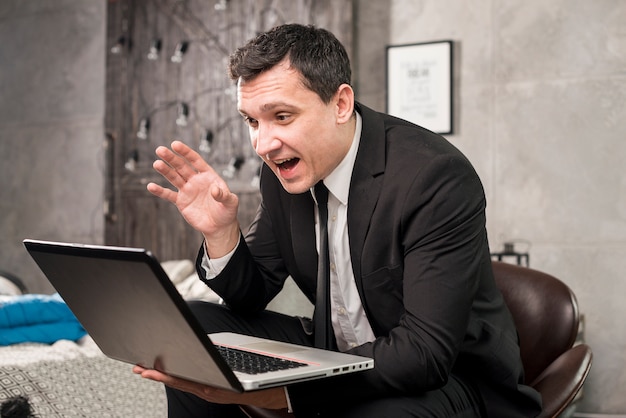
(287, 165)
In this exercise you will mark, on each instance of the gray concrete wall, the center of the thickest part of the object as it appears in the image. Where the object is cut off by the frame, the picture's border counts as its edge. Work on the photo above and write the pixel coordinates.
(541, 112)
(52, 68)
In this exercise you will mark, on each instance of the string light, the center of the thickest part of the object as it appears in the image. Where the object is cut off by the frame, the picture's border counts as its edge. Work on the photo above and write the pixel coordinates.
(221, 5)
(119, 45)
(233, 166)
(206, 141)
(155, 49)
(144, 127)
(131, 161)
(183, 114)
(181, 49)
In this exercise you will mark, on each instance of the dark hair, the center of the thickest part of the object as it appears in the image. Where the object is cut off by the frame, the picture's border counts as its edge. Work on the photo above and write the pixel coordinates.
(316, 53)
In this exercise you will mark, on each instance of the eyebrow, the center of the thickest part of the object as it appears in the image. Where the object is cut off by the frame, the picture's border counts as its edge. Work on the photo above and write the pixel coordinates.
(271, 106)
(268, 107)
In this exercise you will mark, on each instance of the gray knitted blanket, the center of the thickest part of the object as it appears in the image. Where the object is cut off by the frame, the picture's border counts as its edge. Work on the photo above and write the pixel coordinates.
(66, 379)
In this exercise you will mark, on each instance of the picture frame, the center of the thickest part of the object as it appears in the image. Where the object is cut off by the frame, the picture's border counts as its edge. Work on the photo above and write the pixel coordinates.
(419, 84)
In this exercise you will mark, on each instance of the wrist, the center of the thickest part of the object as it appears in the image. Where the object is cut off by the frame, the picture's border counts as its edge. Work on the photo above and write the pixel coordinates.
(220, 244)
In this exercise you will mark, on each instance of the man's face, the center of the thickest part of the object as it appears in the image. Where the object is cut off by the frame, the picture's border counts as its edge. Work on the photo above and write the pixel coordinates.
(298, 136)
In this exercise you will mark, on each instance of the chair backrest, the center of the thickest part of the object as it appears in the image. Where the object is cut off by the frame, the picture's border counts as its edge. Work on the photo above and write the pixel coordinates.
(545, 312)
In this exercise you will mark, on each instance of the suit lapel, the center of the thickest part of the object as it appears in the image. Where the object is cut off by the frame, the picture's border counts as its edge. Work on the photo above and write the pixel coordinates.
(365, 186)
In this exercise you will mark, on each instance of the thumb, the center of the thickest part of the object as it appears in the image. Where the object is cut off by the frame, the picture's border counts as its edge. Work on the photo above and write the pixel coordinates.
(223, 195)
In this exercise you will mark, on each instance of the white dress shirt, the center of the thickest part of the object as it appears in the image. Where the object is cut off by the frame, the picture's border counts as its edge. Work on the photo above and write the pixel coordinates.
(350, 324)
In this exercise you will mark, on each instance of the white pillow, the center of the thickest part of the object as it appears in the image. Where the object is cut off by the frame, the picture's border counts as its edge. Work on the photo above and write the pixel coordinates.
(194, 288)
(183, 274)
(7, 287)
(178, 270)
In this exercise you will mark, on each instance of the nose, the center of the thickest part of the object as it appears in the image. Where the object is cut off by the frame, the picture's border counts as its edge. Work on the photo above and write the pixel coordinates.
(264, 141)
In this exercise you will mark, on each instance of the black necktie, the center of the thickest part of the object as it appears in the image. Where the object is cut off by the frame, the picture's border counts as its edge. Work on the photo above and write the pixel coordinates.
(321, 316)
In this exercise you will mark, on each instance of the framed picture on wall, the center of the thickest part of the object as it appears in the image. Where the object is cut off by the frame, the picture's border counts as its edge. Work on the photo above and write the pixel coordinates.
(419, 84)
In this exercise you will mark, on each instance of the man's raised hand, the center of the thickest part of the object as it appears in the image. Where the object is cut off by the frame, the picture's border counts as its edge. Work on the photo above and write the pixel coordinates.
(202, 197)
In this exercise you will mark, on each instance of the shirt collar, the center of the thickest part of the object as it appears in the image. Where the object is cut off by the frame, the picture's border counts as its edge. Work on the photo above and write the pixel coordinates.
(338, 181)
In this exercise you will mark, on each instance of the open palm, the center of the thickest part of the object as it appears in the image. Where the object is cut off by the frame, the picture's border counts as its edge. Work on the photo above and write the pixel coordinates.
(202, 196)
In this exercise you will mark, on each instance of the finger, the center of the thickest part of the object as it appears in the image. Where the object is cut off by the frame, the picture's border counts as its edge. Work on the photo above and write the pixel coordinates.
(162, 192)
(153, 375)
(173, 382)
(173, 166)
(138, 369)
(223, 195)
(169, 173)
(191, 156)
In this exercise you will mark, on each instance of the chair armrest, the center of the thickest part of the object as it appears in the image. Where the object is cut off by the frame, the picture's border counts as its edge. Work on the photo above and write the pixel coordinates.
(562, 379)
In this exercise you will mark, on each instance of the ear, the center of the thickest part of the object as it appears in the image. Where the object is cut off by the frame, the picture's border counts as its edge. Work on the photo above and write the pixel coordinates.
(345, 103)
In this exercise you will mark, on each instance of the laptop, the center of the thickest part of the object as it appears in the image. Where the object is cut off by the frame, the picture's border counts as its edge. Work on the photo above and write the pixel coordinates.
(129, 306)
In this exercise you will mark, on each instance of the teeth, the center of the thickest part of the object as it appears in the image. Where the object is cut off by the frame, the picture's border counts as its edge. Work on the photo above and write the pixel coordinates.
(279, 162)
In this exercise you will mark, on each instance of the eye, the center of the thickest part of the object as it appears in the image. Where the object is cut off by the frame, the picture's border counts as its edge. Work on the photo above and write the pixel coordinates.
(283, 117)
(253, 123)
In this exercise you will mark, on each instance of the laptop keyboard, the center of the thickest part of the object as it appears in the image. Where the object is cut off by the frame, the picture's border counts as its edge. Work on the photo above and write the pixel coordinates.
(253, 363)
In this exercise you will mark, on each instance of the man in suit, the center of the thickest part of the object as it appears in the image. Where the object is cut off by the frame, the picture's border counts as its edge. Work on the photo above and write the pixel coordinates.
(411, 280)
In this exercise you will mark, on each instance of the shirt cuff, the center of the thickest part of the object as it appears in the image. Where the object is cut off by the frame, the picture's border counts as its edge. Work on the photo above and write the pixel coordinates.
(214, 266)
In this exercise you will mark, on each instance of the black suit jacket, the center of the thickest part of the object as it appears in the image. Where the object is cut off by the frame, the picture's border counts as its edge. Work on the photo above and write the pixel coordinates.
(416, 221)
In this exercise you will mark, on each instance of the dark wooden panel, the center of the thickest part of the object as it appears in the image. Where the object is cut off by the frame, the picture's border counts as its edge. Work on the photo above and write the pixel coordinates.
(141, 88)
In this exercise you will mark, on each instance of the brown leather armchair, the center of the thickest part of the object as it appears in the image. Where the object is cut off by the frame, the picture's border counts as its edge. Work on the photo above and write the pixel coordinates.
(546, 314)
